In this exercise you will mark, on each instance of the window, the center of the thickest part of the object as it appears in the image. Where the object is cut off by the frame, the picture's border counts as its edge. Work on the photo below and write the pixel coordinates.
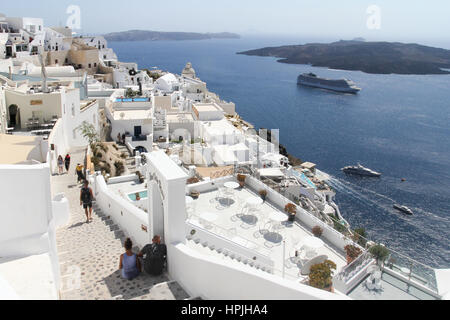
(67, 60)
(89, 65)
(95, 64)
(56, 61)
(73, 110)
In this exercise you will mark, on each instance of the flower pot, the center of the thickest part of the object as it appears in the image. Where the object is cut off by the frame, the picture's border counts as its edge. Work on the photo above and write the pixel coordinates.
(291, 217)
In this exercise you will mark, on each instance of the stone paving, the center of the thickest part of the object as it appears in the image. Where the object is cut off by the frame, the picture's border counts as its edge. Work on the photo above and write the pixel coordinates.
(89, 254)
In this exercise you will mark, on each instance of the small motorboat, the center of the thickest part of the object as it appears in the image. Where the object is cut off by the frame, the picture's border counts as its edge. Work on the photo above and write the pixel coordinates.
(403, 209)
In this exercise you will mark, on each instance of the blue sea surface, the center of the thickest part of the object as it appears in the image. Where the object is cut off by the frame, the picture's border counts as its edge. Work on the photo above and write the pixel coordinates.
(398, 125)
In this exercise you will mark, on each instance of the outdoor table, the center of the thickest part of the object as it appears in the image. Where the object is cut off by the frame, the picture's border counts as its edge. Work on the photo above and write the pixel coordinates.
(208, 216)
(254, 201)
(189, 200)
(313, 243)
(230, 186)
(276, 219)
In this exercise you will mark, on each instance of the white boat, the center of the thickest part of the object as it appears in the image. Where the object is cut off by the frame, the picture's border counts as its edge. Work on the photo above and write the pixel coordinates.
(360, 170)
(339, 85)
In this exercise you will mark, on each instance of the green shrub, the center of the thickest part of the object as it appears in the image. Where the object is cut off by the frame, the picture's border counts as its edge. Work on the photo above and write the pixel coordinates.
(320, 275)
(359, 236)
(379, 252)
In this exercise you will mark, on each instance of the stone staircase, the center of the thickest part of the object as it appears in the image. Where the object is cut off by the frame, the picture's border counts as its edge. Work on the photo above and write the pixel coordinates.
(130, 161)
(227, 256)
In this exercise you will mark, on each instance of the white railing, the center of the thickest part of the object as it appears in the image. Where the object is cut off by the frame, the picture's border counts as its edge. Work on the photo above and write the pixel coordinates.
(222, 241)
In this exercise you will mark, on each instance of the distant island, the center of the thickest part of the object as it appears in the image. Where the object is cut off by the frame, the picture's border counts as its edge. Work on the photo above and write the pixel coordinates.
(142, 35)
(369, 57)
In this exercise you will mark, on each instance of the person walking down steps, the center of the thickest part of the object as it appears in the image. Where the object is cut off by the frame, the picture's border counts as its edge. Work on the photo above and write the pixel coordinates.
(86, 198)
(79, 171)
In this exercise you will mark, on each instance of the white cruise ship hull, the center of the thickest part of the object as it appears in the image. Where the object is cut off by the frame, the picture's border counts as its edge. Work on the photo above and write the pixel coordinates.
(333, 85)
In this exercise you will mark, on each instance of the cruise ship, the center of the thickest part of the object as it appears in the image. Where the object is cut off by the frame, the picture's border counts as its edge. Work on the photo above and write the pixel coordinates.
(360, 170)
(339, 85)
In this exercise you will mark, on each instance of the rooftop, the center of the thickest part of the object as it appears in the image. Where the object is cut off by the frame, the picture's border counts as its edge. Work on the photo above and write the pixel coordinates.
(222, 217)
(19, 148)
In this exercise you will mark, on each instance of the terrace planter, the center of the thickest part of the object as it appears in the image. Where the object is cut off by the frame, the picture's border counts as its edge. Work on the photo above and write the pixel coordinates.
(195, 194)
(241, 179)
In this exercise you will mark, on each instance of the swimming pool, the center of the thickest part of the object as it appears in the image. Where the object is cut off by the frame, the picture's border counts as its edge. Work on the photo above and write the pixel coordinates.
(142, 194)
(305, 179)
(132, 100)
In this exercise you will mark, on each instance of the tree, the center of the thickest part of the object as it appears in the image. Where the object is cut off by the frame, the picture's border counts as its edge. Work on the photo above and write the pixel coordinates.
(88, 131)
(379, 252)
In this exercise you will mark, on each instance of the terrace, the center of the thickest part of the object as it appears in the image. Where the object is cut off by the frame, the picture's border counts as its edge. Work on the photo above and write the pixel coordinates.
(237, 222)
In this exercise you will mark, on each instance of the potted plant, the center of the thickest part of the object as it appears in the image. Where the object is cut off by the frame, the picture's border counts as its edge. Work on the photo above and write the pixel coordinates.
(291, 209)
(195, 194)
(317, 231)
(353, 252)
(241, 179)
(320, 275)
(379, 252)
(359, 236)
(263, 194)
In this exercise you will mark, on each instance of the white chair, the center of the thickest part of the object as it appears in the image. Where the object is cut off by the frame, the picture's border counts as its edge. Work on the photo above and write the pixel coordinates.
(369, 283)
(306, 268)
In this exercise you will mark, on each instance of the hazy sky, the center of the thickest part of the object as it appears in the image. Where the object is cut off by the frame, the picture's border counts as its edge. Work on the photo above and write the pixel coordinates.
(402, 20)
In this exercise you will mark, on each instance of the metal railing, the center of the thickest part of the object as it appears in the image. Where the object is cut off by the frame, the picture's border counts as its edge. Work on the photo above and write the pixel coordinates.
(229, 234)
(349, 271)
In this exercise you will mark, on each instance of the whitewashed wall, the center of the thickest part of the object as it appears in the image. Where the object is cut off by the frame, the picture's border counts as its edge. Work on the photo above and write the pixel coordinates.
(210, 278)
(130, 218)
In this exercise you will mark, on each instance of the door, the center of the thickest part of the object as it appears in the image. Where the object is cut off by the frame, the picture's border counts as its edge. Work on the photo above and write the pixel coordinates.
(137, 131)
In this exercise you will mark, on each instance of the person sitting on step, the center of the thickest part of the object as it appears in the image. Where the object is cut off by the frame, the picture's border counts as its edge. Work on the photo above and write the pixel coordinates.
(129, 262)
(155, 256)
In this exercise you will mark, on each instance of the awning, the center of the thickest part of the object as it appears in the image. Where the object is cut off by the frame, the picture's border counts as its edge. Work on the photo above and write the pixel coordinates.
(270, 172)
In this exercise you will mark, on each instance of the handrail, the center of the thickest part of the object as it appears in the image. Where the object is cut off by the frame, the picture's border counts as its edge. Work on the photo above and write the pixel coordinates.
(256, 247)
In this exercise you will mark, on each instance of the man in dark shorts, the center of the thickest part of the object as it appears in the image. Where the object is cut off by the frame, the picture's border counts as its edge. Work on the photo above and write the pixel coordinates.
(154, 255)
(86, 198)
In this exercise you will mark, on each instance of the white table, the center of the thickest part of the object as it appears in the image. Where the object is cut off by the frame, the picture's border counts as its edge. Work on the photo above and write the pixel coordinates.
(208, 216)
(254, 201)
(312, 243)
(189, 200)
(231, 185)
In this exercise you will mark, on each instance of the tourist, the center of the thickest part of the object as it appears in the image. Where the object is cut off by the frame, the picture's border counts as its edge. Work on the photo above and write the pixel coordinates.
(119, 138)
(60, 164)
(67, 162)
(79, 171)
(129, 262)
(86, 198)
(154, 255)
(123, 138)
(138, 196)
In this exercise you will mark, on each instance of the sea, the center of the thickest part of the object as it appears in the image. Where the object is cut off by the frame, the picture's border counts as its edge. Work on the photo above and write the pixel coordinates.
(398, 125)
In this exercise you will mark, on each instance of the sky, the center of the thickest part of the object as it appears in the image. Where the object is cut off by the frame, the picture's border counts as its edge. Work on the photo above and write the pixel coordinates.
(399, 20)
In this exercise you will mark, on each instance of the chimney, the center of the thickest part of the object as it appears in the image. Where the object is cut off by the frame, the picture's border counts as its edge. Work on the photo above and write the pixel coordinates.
(44, 75)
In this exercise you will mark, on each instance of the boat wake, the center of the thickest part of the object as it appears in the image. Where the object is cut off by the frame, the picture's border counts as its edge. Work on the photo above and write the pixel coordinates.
(361, 194)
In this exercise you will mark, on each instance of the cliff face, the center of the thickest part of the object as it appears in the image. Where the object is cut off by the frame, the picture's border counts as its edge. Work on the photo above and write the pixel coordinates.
(141, 35)
(369, 57)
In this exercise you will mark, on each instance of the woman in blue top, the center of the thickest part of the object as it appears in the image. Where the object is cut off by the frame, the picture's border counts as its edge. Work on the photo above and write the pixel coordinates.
(129, 262)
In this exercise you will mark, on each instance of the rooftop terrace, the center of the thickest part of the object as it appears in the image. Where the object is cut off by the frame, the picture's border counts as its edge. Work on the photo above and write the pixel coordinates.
(264, 229)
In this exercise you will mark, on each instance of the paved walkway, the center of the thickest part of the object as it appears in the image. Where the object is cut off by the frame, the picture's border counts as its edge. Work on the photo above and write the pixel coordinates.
(89, 254)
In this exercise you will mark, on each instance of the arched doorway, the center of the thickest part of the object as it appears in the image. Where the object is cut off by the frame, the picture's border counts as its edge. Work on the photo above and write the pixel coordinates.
(14, 116)
(141, 149)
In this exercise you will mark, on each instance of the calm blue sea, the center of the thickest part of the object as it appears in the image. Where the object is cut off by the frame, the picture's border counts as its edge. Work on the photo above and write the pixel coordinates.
(397, 125)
